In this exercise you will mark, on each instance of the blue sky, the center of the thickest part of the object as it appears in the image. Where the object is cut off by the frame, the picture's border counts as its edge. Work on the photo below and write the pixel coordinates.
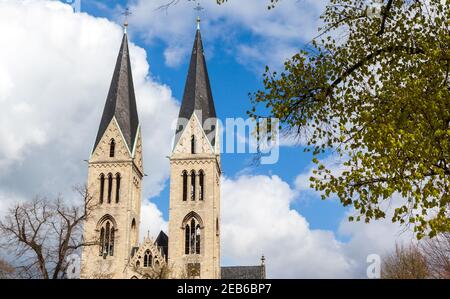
(55, 72)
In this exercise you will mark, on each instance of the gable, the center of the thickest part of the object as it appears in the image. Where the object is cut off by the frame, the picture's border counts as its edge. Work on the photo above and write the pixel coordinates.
(157, 263)
(101, 151)
(202, 145)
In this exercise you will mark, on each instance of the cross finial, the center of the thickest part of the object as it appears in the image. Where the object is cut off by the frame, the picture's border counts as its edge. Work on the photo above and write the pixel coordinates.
(126, 13)
(198, 8)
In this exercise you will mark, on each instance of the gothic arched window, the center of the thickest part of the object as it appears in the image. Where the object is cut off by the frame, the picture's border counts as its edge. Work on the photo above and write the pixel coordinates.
(110, 181)
(192, 185)
(133, 224)
(192, 237)
(185, 182)
(117, 187)
(107, 239)
(192, 144)
(112, 148)
(148, 259)
(201, 179)
(102, 187)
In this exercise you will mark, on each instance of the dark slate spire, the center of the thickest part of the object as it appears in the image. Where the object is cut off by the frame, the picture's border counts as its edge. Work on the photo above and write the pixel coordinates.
(121, 101)
(197, 92)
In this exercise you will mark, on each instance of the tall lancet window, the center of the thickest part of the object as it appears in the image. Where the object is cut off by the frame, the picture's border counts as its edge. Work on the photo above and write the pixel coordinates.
(112, 148)
(201, 181)
(117, 187)
(102, 241)
(197, 239)
(107, 239)
(192, 234)
(192, 185)
(110, 182)
(185, 182)
(111, 242)
(187, 233)
(102, 187)
(148, 259)
(192, 144)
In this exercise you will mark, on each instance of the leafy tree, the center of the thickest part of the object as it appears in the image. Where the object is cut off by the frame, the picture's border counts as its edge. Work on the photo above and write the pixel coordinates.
(374, 87)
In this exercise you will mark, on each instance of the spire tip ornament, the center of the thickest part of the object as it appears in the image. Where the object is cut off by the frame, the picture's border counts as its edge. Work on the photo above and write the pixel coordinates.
(127, 13)
(198, 8)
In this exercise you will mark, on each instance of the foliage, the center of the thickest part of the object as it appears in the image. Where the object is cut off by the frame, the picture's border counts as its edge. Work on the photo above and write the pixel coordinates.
(375, 89)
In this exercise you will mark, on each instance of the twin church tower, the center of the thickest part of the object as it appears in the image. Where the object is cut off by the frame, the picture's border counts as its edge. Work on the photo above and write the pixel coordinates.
(116, 170)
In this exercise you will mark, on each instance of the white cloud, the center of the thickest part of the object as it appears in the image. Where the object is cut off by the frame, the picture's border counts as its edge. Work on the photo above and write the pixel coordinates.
(55, 71)
(378, 237)
(275, 34)
(174, 55)
(152, 221)
(332, 162)
(257, 218)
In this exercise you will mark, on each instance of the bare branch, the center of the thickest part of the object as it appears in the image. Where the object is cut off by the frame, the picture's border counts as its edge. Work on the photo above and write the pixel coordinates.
(43, 233)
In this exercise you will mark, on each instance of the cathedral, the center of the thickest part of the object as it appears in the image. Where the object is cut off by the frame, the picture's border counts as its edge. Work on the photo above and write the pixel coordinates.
(115, 171)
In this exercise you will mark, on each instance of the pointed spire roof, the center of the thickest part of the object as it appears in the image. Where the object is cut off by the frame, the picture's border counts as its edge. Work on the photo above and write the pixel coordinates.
(197, 96)
(121, 100)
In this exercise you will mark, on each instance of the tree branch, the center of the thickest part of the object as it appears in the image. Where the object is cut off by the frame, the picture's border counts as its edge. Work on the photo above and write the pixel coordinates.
(384, 17)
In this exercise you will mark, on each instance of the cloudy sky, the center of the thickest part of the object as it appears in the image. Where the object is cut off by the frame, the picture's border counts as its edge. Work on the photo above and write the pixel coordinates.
(55, 68)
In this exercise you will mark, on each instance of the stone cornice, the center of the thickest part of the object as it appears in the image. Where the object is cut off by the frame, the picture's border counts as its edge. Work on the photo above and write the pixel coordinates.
(116, 163)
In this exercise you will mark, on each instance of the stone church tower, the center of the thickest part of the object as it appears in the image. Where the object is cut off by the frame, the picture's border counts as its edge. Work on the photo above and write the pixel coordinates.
(114, 179)
(194, 213)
